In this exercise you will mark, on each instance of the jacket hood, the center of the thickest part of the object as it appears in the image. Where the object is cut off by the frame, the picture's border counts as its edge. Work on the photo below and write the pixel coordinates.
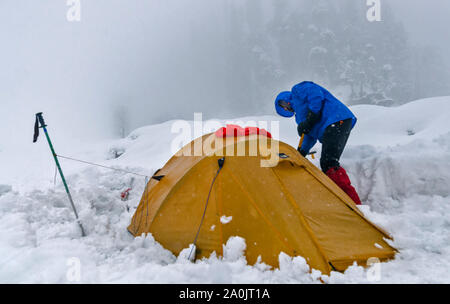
(286, 96)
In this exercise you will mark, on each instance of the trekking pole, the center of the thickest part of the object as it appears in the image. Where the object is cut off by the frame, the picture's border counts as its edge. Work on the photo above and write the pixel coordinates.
(40, 119)
(301, 141)
(300, 146)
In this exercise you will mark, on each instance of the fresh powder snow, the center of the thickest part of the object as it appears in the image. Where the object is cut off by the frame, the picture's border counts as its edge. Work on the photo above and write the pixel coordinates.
(225, 219)
(398, 159)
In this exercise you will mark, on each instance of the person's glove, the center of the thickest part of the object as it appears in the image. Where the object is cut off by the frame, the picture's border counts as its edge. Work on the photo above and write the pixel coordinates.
(303, 153)
(303, 128)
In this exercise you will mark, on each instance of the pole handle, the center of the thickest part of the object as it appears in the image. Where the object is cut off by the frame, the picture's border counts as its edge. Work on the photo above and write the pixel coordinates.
(41, 119)
(301, 141)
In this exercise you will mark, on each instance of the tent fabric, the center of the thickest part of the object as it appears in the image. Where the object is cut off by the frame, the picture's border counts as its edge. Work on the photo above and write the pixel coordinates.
(292, 207)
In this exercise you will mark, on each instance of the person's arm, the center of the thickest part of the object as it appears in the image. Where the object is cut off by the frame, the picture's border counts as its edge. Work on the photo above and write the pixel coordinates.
(305, 126)
(308, 143)
(314, 99)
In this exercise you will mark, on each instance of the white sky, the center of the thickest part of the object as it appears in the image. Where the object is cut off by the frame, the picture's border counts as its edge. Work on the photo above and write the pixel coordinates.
(427, 21)
(71, 69)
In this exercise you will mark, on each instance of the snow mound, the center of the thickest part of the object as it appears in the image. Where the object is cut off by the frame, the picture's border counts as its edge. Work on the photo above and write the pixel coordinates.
(398, 159)
(418, 120)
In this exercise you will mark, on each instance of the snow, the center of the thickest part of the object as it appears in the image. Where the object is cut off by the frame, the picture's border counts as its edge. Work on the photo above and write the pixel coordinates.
(5, 189)
(398, 159)
(234, 249)
(378, 246)
(225, 219)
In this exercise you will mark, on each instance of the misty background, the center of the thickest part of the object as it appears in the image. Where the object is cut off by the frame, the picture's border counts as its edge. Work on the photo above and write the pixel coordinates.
(136, 62)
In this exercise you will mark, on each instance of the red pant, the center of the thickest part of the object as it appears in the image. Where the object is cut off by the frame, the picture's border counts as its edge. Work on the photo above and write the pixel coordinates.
(340, 177)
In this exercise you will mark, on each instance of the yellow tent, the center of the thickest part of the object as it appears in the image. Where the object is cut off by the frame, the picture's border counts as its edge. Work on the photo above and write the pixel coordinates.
(291, 207)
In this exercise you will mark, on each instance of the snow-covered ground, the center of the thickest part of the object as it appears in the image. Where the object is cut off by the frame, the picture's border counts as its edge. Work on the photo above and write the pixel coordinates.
(398, 159)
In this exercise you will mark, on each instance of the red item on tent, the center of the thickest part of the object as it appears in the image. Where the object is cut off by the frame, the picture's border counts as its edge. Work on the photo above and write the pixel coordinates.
(230, 130)
(235, 130)
(255, 130)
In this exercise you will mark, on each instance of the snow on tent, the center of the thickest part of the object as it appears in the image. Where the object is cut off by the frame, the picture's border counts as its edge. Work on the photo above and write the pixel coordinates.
(290, 206)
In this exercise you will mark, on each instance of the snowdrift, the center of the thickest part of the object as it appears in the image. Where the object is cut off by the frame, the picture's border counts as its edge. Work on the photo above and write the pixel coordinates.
(398, 159)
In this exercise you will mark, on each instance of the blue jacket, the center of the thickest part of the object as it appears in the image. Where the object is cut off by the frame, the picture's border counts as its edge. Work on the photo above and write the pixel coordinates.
(307, 96)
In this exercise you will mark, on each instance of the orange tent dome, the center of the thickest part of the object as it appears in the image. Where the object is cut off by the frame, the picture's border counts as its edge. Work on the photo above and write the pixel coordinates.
(289, 207)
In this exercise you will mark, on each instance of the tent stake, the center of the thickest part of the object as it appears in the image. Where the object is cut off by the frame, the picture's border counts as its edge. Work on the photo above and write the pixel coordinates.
(43, 126)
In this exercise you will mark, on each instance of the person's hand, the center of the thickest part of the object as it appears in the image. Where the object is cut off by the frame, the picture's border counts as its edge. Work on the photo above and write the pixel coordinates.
(303, 128)
(303, 153)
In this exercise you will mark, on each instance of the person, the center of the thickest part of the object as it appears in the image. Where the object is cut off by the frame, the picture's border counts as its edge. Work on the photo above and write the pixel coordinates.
(321, 117)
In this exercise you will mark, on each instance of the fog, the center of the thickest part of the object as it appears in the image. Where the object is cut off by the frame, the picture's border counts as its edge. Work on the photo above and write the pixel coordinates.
(129, 63)
(427, 22)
